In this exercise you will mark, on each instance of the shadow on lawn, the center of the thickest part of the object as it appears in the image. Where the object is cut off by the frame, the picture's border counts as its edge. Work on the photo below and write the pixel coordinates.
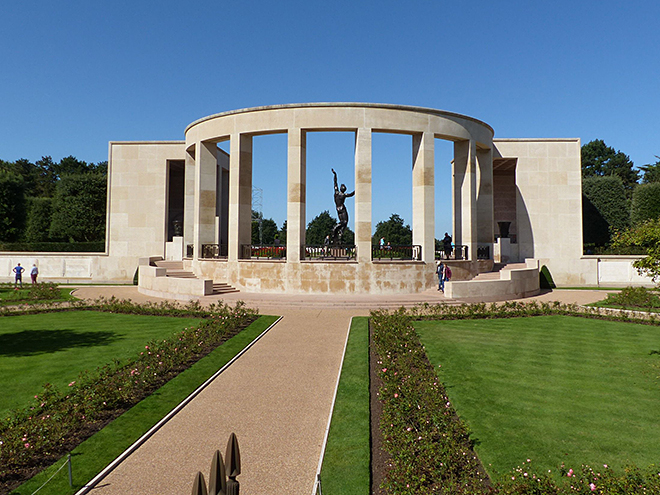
(32, 342)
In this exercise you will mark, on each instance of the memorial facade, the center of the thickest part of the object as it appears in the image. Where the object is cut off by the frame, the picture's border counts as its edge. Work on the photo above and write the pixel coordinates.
(192, 201)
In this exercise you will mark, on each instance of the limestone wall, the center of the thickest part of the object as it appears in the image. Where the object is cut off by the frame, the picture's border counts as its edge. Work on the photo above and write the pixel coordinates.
(549, 206)
(313, 277)
(137, 203)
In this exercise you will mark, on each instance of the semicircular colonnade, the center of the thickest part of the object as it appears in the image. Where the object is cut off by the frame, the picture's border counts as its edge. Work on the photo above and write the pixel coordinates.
(472, 192)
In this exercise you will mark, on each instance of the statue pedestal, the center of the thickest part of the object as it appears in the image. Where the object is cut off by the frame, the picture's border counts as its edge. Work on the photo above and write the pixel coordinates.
(502, 250)
(174, 249)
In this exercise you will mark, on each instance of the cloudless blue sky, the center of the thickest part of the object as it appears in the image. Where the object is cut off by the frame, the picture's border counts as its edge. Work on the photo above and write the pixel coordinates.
(77, 74)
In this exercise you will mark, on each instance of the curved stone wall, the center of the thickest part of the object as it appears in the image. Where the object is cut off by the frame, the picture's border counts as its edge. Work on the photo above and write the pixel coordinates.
(472, 192)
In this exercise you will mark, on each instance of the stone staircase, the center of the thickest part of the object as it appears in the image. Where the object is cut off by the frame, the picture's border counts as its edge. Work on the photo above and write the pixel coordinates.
(222, 288)
(494, 274)
(175, 269)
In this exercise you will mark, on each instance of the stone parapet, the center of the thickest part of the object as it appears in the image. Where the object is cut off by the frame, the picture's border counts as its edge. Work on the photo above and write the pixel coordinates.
(512, 284)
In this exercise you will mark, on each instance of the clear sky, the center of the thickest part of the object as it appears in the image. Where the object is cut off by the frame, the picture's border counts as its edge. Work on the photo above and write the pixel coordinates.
(77, 74)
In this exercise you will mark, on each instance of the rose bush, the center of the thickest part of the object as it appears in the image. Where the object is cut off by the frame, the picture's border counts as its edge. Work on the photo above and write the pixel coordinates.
(60, 419)
(429, 445)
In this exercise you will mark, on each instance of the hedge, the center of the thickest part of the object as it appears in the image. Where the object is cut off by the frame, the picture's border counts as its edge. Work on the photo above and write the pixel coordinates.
(646, 202)
(604, 208)
(54, 247)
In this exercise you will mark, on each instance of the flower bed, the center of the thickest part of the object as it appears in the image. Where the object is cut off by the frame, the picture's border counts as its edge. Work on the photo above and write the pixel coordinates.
(430, 447)
(29, 293)
(36, 436)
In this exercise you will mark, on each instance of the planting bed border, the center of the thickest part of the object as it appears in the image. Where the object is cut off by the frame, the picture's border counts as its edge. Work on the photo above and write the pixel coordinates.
(629, 481)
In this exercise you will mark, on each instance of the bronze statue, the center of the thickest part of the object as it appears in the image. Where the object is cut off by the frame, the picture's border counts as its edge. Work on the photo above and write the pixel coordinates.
(340, 197)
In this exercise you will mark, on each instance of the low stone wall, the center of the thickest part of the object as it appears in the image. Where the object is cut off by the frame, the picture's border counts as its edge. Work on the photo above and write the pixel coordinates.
(53, 267)
(153, 281)
(321, 277)
(512, 284)
(617, 271)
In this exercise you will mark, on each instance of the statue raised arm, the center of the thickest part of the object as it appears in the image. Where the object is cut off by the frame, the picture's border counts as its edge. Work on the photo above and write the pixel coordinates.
(342, 214)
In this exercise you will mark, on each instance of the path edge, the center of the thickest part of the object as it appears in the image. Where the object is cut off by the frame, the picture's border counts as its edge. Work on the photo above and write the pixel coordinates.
(118, 460)
(317, 479)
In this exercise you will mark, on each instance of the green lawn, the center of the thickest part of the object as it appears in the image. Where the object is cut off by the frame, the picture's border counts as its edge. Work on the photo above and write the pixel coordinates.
(90, 457)
(56, 347)
(346, 464)
(552, 389)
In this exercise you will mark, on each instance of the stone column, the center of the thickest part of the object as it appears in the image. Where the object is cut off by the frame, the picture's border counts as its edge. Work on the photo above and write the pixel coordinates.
(206, 164)
(423, 194)
(189, 199)
(240, 194)
(296, 199)
(363, 194)
(465, 196)
(485, 210)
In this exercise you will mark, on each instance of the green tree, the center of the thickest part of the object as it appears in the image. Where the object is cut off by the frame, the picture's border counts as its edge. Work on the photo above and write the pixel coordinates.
(46, 177)
(604, 209)
(646, 236)
(79, 208)
(600, 160)
(394, 231)
(12, 205)
(651, 172)
(646, 202)
(320, 227)
(70, 165)
(268, 229)
(39, 215)
(282, 233)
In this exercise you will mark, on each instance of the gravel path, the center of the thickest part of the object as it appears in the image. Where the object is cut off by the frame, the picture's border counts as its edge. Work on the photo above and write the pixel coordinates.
(276, 398)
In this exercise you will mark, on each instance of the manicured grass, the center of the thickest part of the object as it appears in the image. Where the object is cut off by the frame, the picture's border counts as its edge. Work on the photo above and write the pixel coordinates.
(56, 347)
(90, 457)
(10, 296)
(346, 464)
(552, 389)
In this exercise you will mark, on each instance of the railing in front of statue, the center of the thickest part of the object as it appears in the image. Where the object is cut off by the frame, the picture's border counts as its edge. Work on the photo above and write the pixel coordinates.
(403, 253)
(214, 251)
(252, 251)
(329, 252)
(457, 252)
(483, 251)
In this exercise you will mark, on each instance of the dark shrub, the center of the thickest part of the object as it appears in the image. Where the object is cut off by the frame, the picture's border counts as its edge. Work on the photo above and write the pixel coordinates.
(646, 202)
(604, 208)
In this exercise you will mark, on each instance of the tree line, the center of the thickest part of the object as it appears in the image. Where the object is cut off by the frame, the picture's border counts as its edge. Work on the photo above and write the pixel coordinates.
(394, 230)
(616, 196)
(48, 202)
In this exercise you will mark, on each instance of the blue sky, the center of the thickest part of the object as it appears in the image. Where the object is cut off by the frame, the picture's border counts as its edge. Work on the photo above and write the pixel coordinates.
(77, 74)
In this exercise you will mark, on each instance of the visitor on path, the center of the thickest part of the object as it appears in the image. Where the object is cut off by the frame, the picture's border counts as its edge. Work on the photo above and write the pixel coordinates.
(33, 273)
(382, 243)
(444, 274)
(18, 270)
(446, 244)
(440, 270)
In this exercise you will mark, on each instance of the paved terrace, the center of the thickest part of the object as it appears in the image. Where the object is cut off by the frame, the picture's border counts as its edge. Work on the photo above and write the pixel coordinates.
(281, 394)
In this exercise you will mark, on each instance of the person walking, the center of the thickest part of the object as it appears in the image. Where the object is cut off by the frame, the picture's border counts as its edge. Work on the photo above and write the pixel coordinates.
(33, 273)
(440, 270)
(18, 270)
